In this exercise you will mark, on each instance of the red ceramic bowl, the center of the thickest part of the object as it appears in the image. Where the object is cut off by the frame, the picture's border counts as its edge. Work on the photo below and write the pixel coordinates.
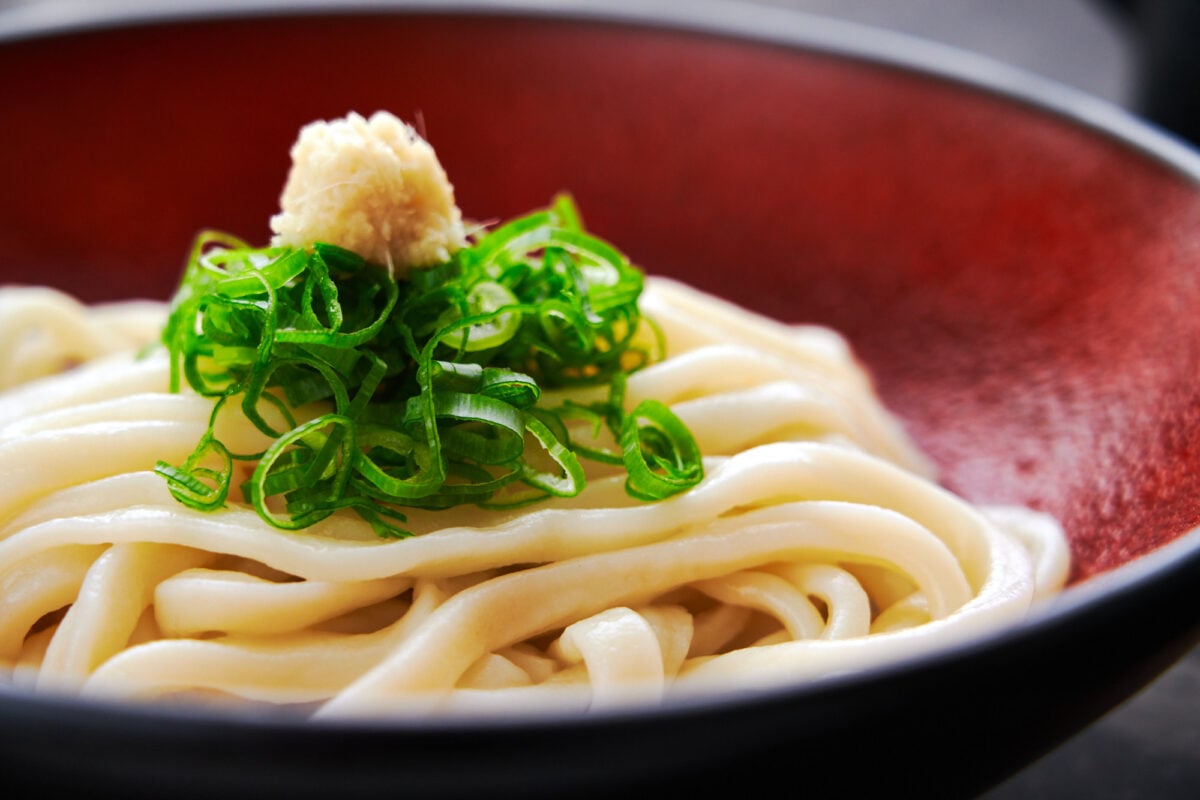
(1019, 266)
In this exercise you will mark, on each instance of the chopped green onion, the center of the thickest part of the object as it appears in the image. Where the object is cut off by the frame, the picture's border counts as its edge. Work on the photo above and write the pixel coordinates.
(659, 452)
(423, 393)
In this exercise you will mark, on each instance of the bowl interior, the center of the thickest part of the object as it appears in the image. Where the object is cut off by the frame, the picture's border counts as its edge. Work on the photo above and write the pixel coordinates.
(1022, 288)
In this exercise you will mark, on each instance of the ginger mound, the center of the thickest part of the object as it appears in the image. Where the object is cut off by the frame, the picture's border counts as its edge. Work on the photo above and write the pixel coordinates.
(373, 186)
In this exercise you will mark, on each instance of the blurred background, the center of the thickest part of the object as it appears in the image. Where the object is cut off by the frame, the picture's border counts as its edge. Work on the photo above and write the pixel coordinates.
(1143, 55)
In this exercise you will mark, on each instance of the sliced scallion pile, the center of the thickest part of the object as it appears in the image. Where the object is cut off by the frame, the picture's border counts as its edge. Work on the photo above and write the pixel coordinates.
(429, 389)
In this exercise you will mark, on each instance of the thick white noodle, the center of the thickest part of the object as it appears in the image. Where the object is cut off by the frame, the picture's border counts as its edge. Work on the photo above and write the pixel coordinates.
(817, 543)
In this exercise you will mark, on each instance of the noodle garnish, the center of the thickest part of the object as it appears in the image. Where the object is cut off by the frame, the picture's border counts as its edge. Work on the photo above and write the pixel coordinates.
(420, 392)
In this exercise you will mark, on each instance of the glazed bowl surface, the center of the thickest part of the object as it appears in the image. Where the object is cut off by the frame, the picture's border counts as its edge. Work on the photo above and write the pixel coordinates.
(1017, 265)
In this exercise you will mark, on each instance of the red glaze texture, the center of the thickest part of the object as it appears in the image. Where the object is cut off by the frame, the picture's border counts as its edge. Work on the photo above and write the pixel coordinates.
(1023, 289)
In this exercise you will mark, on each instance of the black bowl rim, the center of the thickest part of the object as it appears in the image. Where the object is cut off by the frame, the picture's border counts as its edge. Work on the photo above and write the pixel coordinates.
(1177, 561)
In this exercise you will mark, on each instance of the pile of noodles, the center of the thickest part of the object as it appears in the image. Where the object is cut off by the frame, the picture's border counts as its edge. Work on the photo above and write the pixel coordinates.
(817, 543)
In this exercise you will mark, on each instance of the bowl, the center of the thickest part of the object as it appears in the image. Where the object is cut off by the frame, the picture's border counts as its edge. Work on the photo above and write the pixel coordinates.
(1017, 264)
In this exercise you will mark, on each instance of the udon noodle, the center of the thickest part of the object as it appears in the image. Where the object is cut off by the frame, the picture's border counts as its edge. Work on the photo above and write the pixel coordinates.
(817, 543)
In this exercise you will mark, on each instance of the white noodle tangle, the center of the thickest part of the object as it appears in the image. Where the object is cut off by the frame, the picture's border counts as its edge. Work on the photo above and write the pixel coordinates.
(817, 543)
